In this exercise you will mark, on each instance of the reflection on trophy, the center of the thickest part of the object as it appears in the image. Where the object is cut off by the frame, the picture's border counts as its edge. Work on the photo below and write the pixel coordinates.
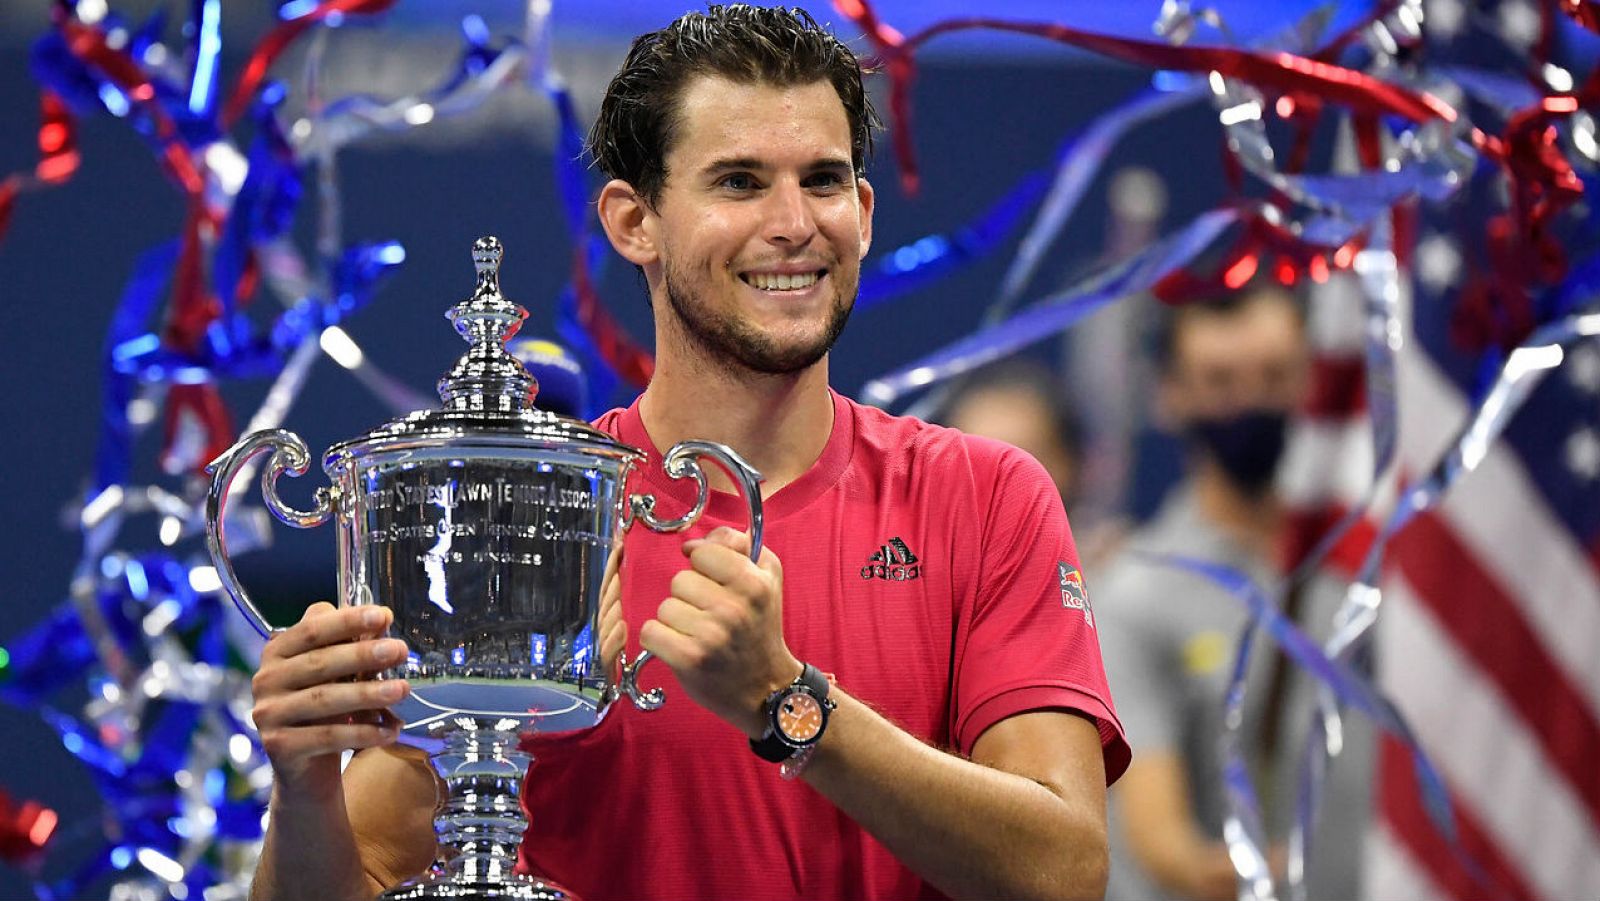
(485, 527)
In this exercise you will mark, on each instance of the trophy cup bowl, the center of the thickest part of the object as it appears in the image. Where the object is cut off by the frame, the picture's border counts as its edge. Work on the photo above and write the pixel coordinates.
(484, 527)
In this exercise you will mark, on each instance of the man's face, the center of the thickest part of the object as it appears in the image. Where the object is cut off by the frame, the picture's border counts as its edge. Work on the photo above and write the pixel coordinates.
(761, 224)
(1251, 358)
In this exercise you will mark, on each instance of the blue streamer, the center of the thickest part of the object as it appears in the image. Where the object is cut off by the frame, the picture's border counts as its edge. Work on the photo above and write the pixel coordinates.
(1344, 682)
(572, 181)
(83, 744)
(908, 267)
(234, 349)
(1056, 313)
(1582, 284)
(206, 49)
(148, 35)
(1504, 93)
(88, 91)
(47, 657)
(1078, 161)
(53, 66)
(570, 172)
(265, 206)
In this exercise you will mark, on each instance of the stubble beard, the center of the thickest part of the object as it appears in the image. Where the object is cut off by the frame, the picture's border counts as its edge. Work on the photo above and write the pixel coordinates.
(727, 337)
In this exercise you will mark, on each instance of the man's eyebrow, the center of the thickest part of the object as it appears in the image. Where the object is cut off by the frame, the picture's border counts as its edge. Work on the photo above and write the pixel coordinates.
(833, 164)
(825, 164)
(723, 165)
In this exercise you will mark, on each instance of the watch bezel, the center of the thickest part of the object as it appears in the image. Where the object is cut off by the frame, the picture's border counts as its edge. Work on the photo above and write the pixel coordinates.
(774, 718)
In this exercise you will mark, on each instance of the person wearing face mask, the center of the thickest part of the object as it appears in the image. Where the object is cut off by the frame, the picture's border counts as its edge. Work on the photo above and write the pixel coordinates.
(1231, 372)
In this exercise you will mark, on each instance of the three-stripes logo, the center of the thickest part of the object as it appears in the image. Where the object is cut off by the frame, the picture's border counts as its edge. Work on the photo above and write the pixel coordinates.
(892, 562)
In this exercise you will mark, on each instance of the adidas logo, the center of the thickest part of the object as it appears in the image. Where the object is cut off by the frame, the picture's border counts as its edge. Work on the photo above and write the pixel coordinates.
(892, 562)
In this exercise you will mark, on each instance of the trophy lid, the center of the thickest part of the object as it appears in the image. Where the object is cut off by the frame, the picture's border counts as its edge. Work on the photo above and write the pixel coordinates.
(488, 394)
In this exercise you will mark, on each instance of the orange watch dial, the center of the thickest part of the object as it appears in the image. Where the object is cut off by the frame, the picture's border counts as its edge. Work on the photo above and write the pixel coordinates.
(800, 717)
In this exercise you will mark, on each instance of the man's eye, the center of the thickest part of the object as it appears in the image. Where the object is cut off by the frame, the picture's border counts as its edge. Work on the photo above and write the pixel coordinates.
(738, 181)
(825, 180)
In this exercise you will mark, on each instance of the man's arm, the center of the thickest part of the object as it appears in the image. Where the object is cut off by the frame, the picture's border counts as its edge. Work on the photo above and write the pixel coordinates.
(375, 835)
(1024, 818)
(333, 836)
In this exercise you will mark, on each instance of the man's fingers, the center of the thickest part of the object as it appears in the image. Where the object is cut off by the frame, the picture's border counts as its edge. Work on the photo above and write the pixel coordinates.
(675, 649)
(332, 664)
(737, 541)
(323, 625)
(613, 560)
(311, 741)
(727, 568)
(333, 702)
(680, 616)
(616, 636)
(723, 536)
(696, 588)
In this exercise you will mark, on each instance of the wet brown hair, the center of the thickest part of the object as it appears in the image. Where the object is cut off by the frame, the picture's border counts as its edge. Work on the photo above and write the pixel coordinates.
(639, 116)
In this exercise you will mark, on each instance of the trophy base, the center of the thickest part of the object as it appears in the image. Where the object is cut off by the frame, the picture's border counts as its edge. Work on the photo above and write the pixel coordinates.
(506, 888)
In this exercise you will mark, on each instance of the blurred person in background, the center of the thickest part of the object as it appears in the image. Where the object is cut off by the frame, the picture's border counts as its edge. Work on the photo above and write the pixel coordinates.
(1232, 370)
(1021, 402)
(1017, 401)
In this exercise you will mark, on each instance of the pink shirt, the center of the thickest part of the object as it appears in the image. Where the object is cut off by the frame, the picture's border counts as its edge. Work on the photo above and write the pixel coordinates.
(931, 572)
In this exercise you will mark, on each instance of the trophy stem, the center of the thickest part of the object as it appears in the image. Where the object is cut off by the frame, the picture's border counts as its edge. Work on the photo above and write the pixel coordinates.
(480, 823)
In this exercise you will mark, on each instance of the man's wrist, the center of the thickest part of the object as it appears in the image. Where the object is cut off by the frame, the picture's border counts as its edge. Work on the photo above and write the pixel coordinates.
(759, 723)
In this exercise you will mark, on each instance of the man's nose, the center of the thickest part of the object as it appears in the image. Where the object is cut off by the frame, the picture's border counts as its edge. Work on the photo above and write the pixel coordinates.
(789, 218)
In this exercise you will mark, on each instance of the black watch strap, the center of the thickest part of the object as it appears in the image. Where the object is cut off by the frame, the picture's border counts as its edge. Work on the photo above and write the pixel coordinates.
(771, 747)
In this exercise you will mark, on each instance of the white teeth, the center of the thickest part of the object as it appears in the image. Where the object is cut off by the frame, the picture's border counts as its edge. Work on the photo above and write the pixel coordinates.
(767, 282)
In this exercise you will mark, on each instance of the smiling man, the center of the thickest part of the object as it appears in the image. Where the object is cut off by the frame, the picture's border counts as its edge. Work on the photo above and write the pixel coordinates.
(903, 698)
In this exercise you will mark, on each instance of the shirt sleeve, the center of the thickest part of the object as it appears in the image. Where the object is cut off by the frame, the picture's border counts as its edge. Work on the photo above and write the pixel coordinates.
(1028, 641)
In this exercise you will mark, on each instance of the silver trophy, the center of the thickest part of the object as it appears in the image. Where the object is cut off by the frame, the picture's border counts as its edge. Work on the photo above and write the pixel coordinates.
(485, 527)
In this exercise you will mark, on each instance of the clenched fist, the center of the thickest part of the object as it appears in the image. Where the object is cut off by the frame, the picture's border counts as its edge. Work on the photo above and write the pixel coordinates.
(721, 631)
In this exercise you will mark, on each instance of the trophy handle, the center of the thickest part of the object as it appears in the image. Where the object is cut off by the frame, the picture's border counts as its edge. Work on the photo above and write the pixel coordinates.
(289, 454)
(629, 683)
(683, 461)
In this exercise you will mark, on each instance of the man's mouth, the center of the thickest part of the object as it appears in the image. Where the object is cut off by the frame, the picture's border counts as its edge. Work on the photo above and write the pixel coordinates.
(773, 281)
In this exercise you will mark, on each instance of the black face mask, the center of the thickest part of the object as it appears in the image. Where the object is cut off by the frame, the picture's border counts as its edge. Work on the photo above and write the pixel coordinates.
(1247, 446)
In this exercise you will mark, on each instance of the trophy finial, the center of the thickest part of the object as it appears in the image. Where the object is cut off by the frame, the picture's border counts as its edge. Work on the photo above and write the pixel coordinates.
(487, 252)
(488, 378)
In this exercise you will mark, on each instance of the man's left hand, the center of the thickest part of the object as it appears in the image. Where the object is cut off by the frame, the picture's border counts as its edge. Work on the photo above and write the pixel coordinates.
(721, 631)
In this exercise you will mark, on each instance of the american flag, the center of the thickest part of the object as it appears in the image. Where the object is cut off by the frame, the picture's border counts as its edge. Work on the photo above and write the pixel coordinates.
(1491, 613)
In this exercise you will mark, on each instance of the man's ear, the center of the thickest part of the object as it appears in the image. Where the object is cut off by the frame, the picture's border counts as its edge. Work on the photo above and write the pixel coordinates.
(866, 197)
(629, 222)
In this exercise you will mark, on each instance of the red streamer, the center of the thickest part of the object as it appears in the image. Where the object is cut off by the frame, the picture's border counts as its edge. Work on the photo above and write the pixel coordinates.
(25, 828)
(1584, 12)
(626, 358)
(1496, 307)
(189, 407)
(1262, 242)
(278, 40)
(1275, 73)
(88, 44)
(193, 307)
(58, 156)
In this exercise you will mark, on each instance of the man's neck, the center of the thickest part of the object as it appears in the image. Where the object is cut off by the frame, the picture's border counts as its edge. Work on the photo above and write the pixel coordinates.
(778, 423)
(1252, 521)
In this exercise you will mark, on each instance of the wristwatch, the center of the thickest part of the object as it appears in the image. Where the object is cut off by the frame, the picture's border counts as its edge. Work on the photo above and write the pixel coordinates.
(797, 715)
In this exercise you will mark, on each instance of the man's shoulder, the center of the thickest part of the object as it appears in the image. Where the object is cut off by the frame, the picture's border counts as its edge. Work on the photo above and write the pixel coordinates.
(922, 443)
